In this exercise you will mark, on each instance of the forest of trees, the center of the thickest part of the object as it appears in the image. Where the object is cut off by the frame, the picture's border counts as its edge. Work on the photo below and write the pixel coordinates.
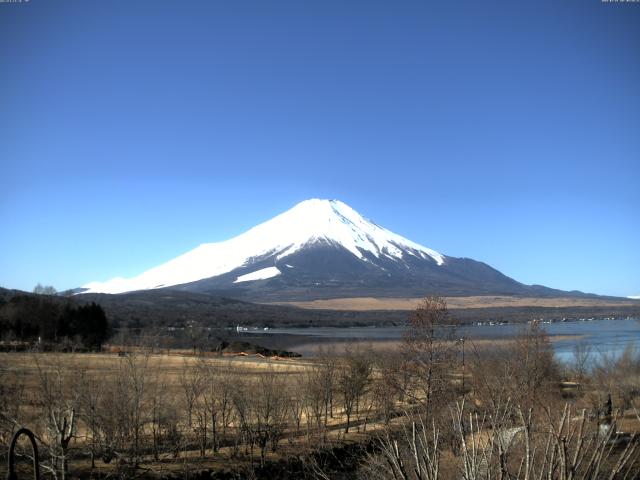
(53, 320)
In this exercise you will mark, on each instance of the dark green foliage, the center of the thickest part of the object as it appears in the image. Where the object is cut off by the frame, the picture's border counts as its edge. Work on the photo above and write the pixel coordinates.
(30, 316)
(50, 319)
(87, 321)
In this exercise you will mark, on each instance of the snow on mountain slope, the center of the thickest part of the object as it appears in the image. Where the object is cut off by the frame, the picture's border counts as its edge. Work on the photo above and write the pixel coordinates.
(309, 222)
(261, 274)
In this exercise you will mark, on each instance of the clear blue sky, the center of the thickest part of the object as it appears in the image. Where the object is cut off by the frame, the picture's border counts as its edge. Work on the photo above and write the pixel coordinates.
(508, 132)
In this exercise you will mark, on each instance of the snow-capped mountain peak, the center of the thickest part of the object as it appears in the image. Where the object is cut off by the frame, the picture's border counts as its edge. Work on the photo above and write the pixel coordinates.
(333, 221)
(310, 222)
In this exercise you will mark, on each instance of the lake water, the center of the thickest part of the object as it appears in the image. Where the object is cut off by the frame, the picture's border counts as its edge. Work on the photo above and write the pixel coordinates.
(608, 337)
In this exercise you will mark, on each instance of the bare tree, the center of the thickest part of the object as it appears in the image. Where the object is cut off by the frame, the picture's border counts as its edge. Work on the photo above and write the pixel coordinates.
(582, 356)
(191, 382)
(44, 290)
(431, 350)
(536, 372)
(353, 379)
(225, 388)
(297, 401)
(412, 453)
(319, 386)
(243, 397)
(59, 400)
(390, 383)
(91, 392)
(12, 404)
(132, 397)
(214, 402)
(162, 421)
(556, 445)
(271, 408)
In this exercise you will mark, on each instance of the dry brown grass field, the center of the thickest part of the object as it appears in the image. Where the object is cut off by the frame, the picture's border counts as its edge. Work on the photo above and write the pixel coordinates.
(382, 346)
(152, 410)
(169, 371)
(370, 303)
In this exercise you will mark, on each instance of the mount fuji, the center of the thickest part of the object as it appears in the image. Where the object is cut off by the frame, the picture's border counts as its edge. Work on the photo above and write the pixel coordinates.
(320, 249)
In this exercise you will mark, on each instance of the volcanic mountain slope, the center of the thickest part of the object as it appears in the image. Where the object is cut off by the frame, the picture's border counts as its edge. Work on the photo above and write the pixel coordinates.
(321, 249)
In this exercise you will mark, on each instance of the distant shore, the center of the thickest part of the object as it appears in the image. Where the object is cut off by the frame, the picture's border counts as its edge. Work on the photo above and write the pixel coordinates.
(362, 304)
(314, 346)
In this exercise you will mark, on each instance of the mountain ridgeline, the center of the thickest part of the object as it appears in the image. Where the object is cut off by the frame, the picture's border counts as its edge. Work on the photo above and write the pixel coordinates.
(322, 249)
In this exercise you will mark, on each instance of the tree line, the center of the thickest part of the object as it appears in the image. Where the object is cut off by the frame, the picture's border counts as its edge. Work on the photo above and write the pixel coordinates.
(47, 319)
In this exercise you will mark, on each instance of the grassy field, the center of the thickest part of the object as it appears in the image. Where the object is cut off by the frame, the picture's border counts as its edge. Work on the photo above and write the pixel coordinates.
(369, 303)
(176, 388)
(169, 376)
(311, 348)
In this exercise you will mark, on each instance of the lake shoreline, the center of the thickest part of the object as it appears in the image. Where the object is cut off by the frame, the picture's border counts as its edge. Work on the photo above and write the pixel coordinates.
(603, 336)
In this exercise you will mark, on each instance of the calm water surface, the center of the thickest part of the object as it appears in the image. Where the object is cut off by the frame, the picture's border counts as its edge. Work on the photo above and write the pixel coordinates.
(605, 337)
